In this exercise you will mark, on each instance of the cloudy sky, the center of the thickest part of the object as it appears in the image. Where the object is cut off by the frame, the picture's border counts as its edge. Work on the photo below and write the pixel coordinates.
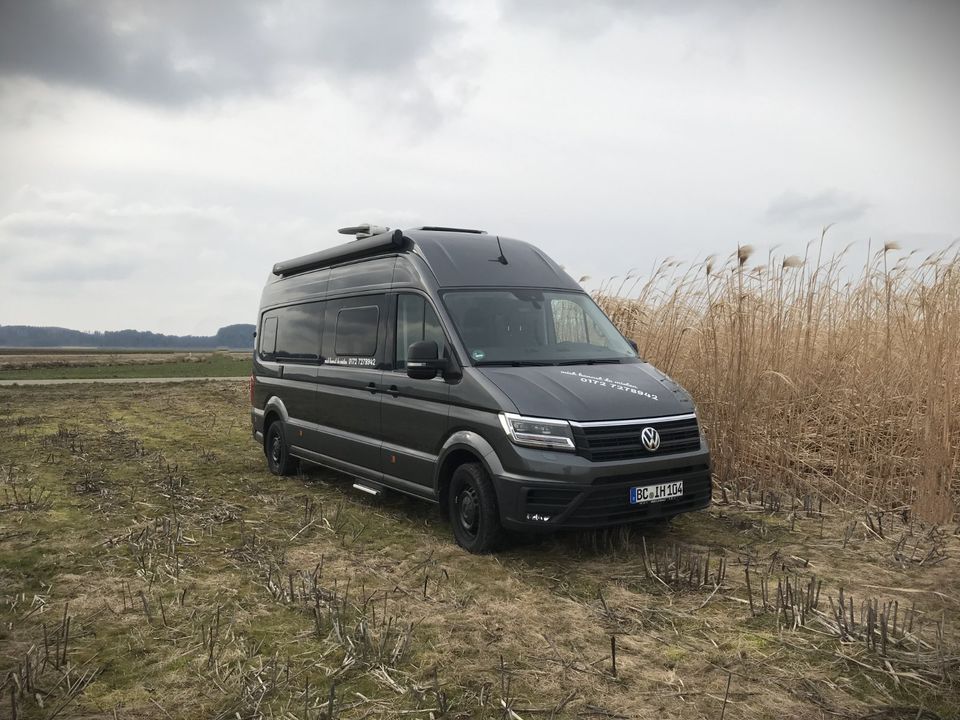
(157, 158)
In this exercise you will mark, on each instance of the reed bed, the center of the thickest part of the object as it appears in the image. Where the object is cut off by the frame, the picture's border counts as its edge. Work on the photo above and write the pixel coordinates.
(810, 375)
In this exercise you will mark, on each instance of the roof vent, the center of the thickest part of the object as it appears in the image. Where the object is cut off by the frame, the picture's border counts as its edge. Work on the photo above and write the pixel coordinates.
(363, 231)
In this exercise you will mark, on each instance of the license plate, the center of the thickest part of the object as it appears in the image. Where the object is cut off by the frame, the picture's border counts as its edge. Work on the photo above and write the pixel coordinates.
(656, 493)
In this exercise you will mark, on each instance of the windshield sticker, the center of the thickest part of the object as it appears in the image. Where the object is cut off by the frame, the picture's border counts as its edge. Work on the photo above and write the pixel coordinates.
(478, 354)
(609, 383)
(352, 361)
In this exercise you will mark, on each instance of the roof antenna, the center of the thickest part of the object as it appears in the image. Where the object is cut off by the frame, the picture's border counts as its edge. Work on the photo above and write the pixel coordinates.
(502, 260)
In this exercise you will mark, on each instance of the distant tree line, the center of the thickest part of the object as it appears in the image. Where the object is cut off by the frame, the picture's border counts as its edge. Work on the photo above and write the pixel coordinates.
(233, 337)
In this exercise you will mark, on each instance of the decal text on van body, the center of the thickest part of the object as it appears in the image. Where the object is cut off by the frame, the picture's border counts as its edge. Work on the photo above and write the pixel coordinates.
(352, 361)
(609, 383)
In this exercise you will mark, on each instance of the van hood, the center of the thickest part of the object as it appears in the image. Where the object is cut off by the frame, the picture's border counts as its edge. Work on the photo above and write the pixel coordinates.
(587, 393)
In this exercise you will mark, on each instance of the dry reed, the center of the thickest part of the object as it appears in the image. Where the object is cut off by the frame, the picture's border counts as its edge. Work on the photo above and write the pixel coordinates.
(811, 377)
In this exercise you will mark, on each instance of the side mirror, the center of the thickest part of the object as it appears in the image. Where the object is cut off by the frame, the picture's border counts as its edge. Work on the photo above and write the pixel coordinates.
(424, 361)
(633, 344)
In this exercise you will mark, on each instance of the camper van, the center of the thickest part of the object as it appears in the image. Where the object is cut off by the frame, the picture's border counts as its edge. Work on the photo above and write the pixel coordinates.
(469, 370)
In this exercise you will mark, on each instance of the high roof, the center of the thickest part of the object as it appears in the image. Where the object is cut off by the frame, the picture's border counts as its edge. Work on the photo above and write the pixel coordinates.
(457, 258)
(469, 259)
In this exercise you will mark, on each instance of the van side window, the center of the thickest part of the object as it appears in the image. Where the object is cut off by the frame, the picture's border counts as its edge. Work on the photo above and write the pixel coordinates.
(268, 337)
(356, 332)
(571, 324)
(416, 321)
(298, 333)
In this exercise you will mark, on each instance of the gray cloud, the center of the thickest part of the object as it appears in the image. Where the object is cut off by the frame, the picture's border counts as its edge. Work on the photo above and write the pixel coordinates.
(159, 157)
(75, 271)
(80, 237)
(21, 228)
(587, 18)
(817, 209)
(95, 260)
(182, 51)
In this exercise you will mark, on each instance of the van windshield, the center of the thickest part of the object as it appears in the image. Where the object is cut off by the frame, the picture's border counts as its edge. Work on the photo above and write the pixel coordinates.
(534, 327)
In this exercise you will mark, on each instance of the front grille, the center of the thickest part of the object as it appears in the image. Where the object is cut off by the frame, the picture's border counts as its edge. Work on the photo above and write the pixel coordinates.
(649, 477)
(616, 441)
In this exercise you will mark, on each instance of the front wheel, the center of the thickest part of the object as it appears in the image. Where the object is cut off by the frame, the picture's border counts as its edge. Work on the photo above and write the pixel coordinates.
(279, 459)
(473, 509)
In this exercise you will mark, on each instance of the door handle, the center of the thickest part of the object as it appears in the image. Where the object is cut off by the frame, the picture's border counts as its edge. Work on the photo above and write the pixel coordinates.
(394, 391)
(372, 387)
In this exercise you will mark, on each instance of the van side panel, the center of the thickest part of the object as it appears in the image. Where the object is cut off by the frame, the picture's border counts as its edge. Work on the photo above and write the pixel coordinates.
(414, 421)
(414, 413)
(348, 382)
(299, 288)
(287, 369)
(362, 277)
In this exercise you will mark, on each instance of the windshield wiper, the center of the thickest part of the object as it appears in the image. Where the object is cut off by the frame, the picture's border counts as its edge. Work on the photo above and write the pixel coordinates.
(594, 361)
(513, 363)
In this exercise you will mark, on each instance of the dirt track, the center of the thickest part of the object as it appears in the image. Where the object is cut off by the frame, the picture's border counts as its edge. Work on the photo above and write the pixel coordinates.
(77, 381)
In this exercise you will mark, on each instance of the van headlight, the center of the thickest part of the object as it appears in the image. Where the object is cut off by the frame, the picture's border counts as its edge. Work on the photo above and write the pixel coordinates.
(537, 432)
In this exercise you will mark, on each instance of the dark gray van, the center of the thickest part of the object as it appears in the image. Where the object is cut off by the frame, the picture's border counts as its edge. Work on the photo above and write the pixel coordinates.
(469, 370)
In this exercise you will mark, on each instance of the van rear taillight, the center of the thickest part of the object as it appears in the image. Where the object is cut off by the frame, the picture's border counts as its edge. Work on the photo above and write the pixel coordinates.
(253, 380)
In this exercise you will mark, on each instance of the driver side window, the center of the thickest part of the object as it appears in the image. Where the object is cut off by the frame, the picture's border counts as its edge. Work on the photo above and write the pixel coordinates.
(416, 321)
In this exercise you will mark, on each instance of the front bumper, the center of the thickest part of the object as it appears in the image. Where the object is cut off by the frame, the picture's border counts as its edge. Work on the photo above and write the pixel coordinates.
(568, 491)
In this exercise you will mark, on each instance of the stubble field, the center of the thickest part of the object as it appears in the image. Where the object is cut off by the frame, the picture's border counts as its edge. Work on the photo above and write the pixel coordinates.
(150, 567)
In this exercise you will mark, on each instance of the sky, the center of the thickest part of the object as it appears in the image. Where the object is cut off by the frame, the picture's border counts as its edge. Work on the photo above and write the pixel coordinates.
(157, 158)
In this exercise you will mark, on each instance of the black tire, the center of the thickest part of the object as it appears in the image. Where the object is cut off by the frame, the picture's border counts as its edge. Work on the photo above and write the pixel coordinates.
(473, 509)
(279, 459)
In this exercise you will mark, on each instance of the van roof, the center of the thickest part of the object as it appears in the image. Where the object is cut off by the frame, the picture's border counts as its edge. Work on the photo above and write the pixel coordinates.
(460, 259)
(456, 257)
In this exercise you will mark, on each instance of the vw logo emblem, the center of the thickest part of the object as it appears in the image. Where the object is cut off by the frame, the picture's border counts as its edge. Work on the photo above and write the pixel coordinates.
(650, 438)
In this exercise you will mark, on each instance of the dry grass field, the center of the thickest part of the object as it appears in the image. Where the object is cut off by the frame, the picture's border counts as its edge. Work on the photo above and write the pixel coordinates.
(62, 363)
(150, 567)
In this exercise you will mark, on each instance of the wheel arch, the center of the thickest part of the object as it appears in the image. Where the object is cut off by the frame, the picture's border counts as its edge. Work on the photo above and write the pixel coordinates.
(462, 447)
(273, 410)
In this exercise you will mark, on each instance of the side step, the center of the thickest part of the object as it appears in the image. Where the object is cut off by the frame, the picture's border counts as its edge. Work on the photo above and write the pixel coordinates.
(369, 489)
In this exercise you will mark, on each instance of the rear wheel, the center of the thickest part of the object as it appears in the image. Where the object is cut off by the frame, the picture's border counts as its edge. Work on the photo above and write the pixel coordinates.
(279, 459)
(473, 509)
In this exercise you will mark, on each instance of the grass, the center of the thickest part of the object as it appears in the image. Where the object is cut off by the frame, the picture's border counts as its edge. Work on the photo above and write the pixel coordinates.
(810, 375)
(151, 567)
(188, 365)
